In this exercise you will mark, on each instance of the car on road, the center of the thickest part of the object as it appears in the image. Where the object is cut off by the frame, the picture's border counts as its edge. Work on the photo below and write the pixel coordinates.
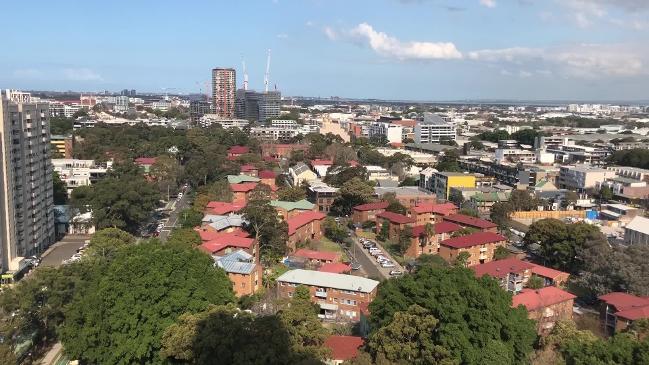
(396, 272)
(355, 266)
(369, 244)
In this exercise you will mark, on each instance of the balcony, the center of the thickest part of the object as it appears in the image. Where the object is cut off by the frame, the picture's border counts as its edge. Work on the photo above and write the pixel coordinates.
(321, 294)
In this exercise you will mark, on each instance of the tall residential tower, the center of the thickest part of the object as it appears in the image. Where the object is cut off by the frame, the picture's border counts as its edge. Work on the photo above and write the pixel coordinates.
(26, 192)
(224, 86)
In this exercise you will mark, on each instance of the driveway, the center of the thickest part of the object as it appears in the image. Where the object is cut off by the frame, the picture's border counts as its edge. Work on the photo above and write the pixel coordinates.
(63, 250)
(371, 267)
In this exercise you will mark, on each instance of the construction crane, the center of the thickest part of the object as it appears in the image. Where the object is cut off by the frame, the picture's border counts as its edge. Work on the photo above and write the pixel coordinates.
(166, 91)
(267, 74)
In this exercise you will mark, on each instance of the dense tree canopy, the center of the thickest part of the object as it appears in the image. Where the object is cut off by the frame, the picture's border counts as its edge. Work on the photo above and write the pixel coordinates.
(476, 321)
(352, 193)
(136, 297)
(635, 158)
(60, 191)
(264, 225)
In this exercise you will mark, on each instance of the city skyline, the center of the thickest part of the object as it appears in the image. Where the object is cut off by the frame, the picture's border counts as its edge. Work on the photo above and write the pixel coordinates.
(425, 50)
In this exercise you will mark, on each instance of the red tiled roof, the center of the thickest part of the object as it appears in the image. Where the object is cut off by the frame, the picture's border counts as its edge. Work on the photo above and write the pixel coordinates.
(396, 217)
(145, 160)
(441, 209)
(441, 227)
(224, 241)
(343, 347)
(335, 267)
(501, 268)
(243, 187)
(466, 220)
(322, 162)
(541, 298)
(222, 208)
(208, 235)
(266, 174)
(248, 168)
(546, 272)
(406, 122)
(624, 301)
(635, 313)
(371, 206)
(317, 255)
(302, 219)
(238, 150)
(478, 238)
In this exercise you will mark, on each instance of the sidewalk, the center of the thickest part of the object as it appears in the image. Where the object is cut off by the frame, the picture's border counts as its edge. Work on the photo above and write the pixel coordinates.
(53, 355)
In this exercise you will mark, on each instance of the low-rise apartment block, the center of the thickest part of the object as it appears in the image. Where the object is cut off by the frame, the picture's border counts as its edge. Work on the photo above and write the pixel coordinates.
(546, 306)
(481, 247)
(619, 310)
(582, 177)
(637, 231)
(339, 296)
(367, 212)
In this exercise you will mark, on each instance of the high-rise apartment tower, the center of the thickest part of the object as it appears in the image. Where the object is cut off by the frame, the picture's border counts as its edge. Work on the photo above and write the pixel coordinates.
(224, 86)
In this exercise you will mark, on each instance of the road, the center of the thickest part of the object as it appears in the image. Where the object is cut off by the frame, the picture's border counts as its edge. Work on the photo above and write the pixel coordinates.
(369, 264)
(63, 250)
(176, 207)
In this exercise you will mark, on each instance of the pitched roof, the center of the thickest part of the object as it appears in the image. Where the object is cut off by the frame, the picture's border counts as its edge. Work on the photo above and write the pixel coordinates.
(546, 272)
(371, 206)
(329, 280)
(406, 122)
(243, 187)
(302, 219)
(541, 298)
(466, 220)
(224, 242)
(624, 301)
(635, 313)
(639, 224)
(441, 209)
(221, 222)
(301, 168)
(321, 162)
(238, 179)
(238, 150)
(501, 268)
(441, 227)
(266, 174)
(478, 238)
(335, 267)
(396, 217)
(221, 208)
(145, 160)
(289, 206)
(208, 235)
(343, 347)
(237, 262)
(317, 255)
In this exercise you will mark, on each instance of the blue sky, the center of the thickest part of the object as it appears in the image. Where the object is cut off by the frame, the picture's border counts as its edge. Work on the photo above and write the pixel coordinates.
(396, 49)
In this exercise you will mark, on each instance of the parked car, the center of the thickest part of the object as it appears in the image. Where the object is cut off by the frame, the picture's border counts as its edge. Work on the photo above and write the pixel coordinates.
(375, 253)
(388, 264)
(396, 272)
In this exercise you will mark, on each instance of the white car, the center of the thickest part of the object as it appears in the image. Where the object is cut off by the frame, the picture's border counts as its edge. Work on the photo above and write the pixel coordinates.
(376, 253)
(388, 264)
(396, 272)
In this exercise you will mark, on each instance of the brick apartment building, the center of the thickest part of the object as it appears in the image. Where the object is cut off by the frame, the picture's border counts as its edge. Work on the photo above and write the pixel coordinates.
(281, 150)
(367, 212)
(514, 273)
(481, 247)
(423, 244)
(431, 213)
(304, 227)
(545, 306)
(472, 222)
(619, 310)
(396, 223)
(243, 270)
(318, 257)
(286, 209)
(339, 296)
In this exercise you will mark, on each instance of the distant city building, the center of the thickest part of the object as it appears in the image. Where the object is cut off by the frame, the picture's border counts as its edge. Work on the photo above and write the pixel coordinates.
(27, 208)
(121, 104)
(62, 146)
(224, 85)
(393, 133)
(434, 129)
(75, 173)
(258, 106)
(199, 108)
(582, 177)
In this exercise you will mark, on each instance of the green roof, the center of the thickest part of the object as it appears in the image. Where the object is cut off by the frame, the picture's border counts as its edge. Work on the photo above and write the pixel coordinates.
(238, 179)
(289, 206)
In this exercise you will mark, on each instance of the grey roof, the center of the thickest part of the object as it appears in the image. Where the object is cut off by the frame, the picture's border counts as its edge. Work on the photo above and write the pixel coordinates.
(220, 222)
(402, 190)
(329, 280)
(430, 147)
(238, 262)
(432, 118)
(639, 224)
(387, 183)
(300, 168)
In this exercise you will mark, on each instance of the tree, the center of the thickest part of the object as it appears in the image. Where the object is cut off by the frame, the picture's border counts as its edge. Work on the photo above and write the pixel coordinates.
(60, 190)
(394, 205)
(190, 218)
(340, 175)
(526, 136)
(535, 282)
(291, 194)
(500, 212)
(634, 158)
(559, 243)
(494, 136)
(465, 231)
(434, 261)
(166, 171)
(263, 223)
(105, 243)
(352, 193)
(301, 321)
(501, 252)
(405, 238)
(462, 259)
(605, 193)
(141, 292)
(184, 236)
(408, 339)
(569, 198)
(448, 162)
(456, 197)
(472, 313)
(409, 181)
(384, 232)
(334, 231)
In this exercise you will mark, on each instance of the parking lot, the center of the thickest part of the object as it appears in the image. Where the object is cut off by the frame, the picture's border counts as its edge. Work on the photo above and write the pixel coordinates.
(63, 250)
(370, 264)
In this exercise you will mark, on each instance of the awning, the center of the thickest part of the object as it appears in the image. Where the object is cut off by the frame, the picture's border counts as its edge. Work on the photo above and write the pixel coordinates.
(610, 214)
(328, 306)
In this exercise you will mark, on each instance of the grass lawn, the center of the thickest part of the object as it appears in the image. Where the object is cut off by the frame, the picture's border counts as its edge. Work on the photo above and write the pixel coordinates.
(326, 244)
(365, 234)
(394, 251)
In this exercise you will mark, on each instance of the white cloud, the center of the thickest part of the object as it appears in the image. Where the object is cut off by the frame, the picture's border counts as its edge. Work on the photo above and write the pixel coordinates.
(585, 13)
(389, 46)
(330, 33)
(80, 74)
(282, 36)
(488, 3)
